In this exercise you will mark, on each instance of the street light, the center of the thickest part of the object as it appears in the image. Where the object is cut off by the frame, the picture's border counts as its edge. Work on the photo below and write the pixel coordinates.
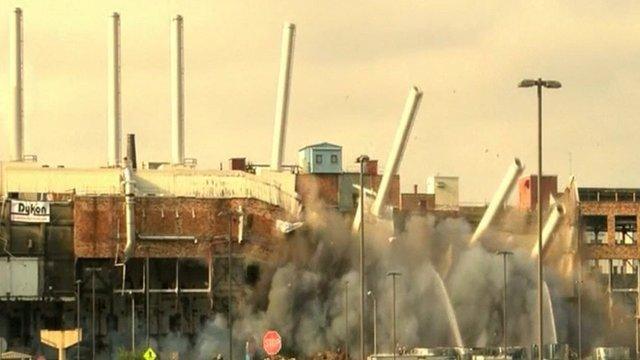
(346, 319)
(362, 160)
(375, 321)
(78, 283)
(539, 84)
(504, 254)
(393, 275)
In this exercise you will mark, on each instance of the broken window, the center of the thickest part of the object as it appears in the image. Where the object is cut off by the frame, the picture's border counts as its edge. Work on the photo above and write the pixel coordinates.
(595, 229)
(626, 228)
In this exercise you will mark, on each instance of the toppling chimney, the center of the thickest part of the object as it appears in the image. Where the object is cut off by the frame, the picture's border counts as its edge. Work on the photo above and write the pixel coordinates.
(282, 100)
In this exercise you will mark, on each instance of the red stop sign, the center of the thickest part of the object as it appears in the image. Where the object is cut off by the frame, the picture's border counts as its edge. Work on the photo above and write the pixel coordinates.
(271, 342)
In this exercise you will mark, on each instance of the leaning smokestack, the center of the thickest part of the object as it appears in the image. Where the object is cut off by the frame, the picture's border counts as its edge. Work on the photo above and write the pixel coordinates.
(497, 202)
(398, 147)
(131, 151)
(177, 92)
(282, 101)
(114, 120)
(16, 124)
(557, 211)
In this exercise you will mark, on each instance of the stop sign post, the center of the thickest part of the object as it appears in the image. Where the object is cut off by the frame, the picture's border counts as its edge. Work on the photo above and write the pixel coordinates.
(271, 342)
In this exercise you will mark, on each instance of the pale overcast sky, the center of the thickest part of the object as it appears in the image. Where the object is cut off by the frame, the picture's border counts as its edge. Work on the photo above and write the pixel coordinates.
(353, 65)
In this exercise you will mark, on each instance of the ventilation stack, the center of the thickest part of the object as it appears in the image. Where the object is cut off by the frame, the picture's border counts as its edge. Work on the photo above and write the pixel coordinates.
(16, 122)
(131, 151)
(177, 91)
(282, 100)
(114, 109)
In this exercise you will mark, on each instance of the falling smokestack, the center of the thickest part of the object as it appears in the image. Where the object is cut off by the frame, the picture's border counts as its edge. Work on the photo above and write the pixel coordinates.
(16, 124)
(557, 212)
(114, 120)
(177, 92)
(497, 202)
(398, 147)
(131, 151)
(282, 101)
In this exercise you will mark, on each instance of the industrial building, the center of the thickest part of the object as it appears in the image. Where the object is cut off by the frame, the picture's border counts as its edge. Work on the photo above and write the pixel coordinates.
(130, 254)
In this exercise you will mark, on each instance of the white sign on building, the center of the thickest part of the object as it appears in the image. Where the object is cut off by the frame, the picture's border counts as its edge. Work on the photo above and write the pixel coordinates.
(30, 211)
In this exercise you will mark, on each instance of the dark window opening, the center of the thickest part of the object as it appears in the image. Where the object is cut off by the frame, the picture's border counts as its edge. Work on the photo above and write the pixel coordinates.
(626, 229)
(595, 229)
(318, 159)
(252, 274)
(334, 159)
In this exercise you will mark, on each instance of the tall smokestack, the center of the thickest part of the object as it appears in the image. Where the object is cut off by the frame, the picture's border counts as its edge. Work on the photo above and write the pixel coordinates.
(114, 120)
(282, 101)
(131, 151)
(177, 92)
(16, 124)
(398, 147)
(499, 198)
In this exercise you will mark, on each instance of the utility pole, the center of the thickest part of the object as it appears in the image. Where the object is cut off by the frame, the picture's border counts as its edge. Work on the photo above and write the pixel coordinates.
(539, 84)
(393, 275)
(346, 319)
(78, 326)
(362, 159)
(504, 255)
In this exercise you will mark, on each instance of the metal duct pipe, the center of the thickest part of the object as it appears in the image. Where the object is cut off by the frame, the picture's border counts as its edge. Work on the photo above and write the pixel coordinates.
(557, 211)
(398, 147)
(16, 125)
(499, 198)
(129, 197)
(114, 120)
(177, 92)
(131, 151)
(282, 99)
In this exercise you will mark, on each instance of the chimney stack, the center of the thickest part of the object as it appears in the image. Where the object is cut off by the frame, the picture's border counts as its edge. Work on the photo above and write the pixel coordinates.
(397, 149)
(16, 124)
(131, 151)
(114, 120)
(282, 100)
(177, 92)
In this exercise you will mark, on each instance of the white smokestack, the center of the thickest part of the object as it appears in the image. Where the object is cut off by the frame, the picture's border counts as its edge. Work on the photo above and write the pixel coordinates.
(16, 124)
(114, 120)
(282, 101)
(501, 195)
(550, 226)
(177, 92)
(398, 147)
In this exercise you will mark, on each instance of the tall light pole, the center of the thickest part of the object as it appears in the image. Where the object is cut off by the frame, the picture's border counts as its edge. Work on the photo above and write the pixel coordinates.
(78, 326)
(504, 254)
(346, 319)
(539, 84)
(375, 321)
(393, 275)
(362, 159)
